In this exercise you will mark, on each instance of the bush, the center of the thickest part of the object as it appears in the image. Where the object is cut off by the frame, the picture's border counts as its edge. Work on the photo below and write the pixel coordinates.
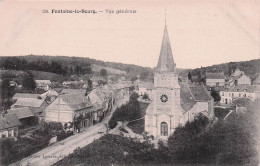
(128, 112)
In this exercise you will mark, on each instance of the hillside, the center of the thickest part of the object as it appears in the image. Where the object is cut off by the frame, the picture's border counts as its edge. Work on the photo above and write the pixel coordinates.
(249, 67)
(17, 75)
(73, 62)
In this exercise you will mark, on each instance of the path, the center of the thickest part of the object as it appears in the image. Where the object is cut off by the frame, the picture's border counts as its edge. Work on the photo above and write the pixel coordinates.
(59, 150)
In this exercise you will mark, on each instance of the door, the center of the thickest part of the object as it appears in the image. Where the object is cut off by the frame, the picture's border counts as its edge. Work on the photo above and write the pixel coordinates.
(164, 129)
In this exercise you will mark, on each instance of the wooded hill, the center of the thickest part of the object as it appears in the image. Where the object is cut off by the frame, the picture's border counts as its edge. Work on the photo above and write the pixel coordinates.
(251, 68)
(64, 65)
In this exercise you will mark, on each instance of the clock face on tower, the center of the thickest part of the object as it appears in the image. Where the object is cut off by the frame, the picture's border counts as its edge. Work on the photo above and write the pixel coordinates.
(164, 98)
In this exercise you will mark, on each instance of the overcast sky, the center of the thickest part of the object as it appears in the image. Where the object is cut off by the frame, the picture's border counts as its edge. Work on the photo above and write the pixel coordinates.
(202, 32)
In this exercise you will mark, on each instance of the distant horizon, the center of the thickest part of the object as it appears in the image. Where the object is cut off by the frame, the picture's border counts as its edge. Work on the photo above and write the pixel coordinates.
(201, 33)
(127, 63)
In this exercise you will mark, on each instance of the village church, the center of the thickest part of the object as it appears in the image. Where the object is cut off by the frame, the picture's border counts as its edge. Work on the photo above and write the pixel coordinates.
(173, 102)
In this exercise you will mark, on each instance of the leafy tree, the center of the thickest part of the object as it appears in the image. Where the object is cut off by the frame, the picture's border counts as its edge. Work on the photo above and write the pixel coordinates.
(145, 96)
(103, 72)
(102, 82)
(89, 88)
(134, 78)
(215, 95)
(29, 83)
(189, 76)
(6, 90)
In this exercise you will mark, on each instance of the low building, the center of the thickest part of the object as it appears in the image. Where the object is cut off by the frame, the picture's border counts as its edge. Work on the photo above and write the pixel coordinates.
(36, 105)
(25, 116)
(231, 93)
(43, 84)
(26, 95)
(9, 124)
(145, 88)
(215, 79)
(239, 78)
(70, 109)
(72, 91)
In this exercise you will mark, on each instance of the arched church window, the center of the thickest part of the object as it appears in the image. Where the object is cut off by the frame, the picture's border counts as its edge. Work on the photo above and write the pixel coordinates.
(164, 129)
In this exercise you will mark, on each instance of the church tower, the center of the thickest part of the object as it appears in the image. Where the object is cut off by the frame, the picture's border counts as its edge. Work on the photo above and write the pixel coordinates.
(162, 115)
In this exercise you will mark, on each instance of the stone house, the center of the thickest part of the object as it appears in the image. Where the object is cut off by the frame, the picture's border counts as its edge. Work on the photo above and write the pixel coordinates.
(215, 79)
(9, 124)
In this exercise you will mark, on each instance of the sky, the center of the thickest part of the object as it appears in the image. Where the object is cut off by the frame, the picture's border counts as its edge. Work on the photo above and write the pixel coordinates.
(201, 32)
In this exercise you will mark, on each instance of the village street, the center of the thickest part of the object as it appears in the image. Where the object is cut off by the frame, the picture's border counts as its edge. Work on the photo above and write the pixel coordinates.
(59, 150)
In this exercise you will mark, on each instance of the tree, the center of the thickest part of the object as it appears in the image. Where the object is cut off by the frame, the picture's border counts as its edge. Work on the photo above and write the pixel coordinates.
(29, 83)
(215, 95)
(6, 89)
(89, 88)
(103, 72)
(189, 76)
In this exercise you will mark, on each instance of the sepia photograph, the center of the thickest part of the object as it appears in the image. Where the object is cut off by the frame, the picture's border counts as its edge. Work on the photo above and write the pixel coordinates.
(160, 82)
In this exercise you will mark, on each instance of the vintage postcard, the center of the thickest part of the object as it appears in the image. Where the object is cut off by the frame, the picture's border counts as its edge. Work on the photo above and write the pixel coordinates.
(161, 82)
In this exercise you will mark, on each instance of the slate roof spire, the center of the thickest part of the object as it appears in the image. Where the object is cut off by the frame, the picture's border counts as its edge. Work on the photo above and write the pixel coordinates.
(165, 62)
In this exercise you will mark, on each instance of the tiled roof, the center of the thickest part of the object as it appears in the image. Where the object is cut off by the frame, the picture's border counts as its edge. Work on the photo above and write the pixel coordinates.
(76, 101)
(215, 75)
(21, 112)
(27, 102)
(9, 121)
(187, 101)
(200, 93)
(26, 95)
(72, 91)
(190, 94)
(243, 88)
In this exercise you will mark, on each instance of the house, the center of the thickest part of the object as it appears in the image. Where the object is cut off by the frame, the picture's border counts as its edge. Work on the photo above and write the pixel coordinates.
(9, 124)
(66, 83)
(36, 105)
(70, 109)
(25, 116)
(49, 96)
(26, 95)
(72, 91)
(145, 88)
(43, 84)
(215, 79)
(239, 78)
(13, 84)
(231, 93)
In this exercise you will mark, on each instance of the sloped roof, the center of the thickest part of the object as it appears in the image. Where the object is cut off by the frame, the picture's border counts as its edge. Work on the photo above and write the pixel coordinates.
(190, 94)
(243, 88)
(21, 112)
(237, 73)
(43, 82)
(72, 91)
(8, 121)
(165, 62)
(27, 102)
(147, 85)
(26, 95)
(219, 75)
(50, 93)
(76, 101)
(200, 93)
(187, 101)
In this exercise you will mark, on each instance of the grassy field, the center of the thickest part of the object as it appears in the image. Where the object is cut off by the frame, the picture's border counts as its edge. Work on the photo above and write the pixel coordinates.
(138, 126)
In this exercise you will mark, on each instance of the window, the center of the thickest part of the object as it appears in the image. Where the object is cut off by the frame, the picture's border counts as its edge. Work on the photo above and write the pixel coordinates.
(164, 129)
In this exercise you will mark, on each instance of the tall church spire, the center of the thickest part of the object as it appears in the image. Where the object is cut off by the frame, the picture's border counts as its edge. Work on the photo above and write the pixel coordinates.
(165, 62)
